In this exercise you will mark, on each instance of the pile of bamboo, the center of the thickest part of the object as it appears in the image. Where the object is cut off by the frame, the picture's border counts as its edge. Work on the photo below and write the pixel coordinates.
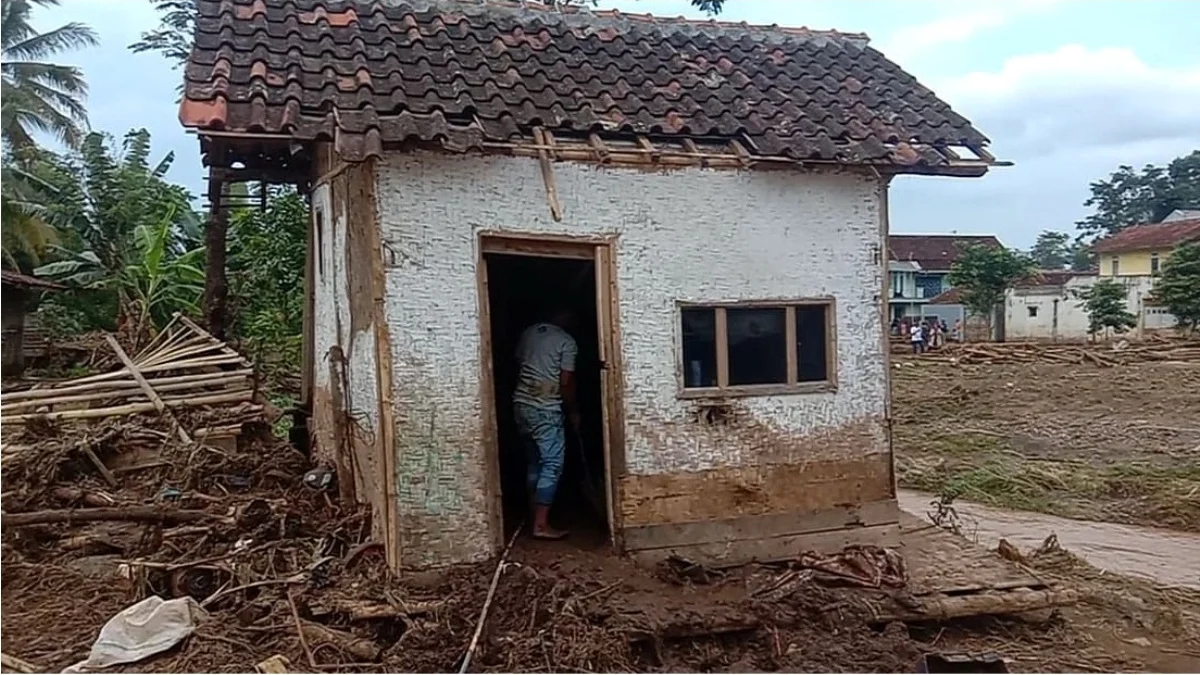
(183, 367)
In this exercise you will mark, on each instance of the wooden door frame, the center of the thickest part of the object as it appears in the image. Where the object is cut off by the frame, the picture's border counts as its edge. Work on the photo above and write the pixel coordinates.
(601, 251)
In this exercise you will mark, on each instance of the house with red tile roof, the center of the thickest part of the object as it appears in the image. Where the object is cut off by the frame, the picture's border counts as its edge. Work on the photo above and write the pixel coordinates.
(1141, 250)
(707, 199)
(919, 271)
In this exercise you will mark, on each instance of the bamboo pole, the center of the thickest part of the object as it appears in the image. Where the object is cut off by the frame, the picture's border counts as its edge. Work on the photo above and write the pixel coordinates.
(129, 409)
(147, 389)
(162, 385)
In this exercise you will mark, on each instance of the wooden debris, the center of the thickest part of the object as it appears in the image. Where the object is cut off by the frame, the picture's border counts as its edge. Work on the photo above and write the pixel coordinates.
(183, 367)
(274, 664)
(360, 648)
(1099, 355)
(149, 514)
(365, 610)
(19, 665)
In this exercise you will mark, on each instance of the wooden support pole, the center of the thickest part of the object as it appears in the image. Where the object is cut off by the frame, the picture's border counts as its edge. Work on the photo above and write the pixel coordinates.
(216, 285)
(146, 388)
(542, 138)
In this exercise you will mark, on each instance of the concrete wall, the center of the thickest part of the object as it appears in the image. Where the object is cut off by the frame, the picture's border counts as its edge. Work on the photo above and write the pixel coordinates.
(1055, 312)
(1130, 263)
(688, 235)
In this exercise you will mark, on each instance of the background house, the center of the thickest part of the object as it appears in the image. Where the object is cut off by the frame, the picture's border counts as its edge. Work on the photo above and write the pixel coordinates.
(731, 321)
(921, 264)
(21, 337)
(1141, 250)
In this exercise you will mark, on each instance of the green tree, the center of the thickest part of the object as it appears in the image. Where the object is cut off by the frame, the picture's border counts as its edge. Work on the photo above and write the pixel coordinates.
(1178, 285)
(40, 96)
(1129, 197)
(173, 36)
(1105, 304)
(266, 278)
(127, 231)
(26, 234)
(1083, 258)
(1052, 250)
(984, 273)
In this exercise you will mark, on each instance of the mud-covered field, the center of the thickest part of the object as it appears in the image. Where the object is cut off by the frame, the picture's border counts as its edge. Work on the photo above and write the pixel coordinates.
(1119, 443)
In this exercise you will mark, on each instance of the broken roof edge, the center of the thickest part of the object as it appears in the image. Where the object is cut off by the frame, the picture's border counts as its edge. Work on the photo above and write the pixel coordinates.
(568, 146)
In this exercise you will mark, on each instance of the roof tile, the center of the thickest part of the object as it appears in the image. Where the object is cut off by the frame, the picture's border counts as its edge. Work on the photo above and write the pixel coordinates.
(1143, 237)
(485, 71)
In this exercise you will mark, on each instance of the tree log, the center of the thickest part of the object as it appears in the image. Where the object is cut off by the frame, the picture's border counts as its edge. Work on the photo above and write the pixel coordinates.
(363, 650)
(148, 514)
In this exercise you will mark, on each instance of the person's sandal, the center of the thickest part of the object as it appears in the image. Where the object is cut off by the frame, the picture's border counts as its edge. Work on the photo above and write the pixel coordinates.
(551, 535)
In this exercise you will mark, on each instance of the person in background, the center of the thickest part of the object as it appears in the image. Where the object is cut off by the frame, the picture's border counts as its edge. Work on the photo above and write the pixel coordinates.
(914, 336)
(546, 355)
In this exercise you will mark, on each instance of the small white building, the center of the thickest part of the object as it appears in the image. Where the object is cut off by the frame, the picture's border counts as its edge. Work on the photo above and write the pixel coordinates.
(1048, 306)
(711, 198)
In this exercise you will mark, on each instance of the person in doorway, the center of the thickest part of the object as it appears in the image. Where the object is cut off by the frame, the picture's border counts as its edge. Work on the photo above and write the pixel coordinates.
(545, 386)
(914, 336)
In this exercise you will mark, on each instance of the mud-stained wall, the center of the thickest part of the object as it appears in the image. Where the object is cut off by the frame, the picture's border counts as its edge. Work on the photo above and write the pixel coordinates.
(689, 235)
(345, 397)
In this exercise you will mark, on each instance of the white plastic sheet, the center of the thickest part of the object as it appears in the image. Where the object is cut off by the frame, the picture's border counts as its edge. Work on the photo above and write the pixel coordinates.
(151, 626)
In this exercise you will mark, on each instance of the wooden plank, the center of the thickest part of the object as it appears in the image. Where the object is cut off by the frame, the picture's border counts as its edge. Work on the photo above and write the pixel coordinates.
(722, 328)
(787, 547)
(92, 413)
(487, 395)
(789, 340)
(884, 320)
(615, 393)
(307, 348)
(542, 136)
(125, 389)
(600, 272)
(551, 248)
(1017, 601)
(384, 381)
(744, 528)
(725, 492)
(100, 465)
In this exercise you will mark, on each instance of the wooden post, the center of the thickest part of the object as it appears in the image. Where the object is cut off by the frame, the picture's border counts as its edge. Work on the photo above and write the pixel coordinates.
(216, 285)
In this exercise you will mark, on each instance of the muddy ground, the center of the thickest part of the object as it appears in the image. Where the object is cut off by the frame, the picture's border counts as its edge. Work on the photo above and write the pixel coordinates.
(1119, 444)
(571, 606)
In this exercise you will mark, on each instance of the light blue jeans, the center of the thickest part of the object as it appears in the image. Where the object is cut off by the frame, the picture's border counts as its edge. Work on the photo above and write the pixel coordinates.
(545, 440)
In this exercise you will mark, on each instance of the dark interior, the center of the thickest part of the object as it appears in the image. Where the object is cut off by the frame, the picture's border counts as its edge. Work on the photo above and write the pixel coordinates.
(521, 290)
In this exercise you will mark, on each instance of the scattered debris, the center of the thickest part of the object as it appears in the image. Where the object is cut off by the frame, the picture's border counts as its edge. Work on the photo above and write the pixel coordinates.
(1162, 349)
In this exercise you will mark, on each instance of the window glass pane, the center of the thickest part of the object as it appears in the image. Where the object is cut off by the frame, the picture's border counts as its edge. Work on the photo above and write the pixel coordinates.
(812, 343)
(757, 345)
(699, 347)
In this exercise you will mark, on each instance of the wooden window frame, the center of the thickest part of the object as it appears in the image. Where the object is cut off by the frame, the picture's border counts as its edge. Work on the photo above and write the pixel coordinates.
(793, 385)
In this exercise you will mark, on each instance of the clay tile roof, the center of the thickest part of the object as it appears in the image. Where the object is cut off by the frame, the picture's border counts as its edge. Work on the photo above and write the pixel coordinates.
(935, 252)
(365, 73)
(11, 278)
(1159, 235)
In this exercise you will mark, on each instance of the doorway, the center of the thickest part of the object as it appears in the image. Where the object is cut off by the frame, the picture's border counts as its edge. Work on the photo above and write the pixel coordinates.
(523, 280)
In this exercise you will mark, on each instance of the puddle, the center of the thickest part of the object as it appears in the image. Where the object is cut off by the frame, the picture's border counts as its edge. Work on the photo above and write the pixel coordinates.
(1168, 557)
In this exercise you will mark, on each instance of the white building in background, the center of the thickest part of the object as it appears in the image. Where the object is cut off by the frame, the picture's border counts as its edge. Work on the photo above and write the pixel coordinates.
(1049, 307)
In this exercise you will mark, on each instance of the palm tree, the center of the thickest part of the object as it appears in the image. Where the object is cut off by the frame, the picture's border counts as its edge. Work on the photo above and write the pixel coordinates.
(40, 96)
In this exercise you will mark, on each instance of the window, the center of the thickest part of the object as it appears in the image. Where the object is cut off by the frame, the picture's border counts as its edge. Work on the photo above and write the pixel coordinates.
(1154, 262)
(1032, 311)
(1116, 265)
(758, 348)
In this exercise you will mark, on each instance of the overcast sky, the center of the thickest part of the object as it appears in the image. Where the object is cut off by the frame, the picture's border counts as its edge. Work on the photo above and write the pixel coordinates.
(1066, 89)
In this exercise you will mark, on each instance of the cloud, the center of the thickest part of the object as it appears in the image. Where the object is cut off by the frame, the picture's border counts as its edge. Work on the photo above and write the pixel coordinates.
(1075, 99)
(910, 41)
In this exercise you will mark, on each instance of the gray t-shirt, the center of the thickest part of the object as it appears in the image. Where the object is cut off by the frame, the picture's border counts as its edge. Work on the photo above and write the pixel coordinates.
(543, 352)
